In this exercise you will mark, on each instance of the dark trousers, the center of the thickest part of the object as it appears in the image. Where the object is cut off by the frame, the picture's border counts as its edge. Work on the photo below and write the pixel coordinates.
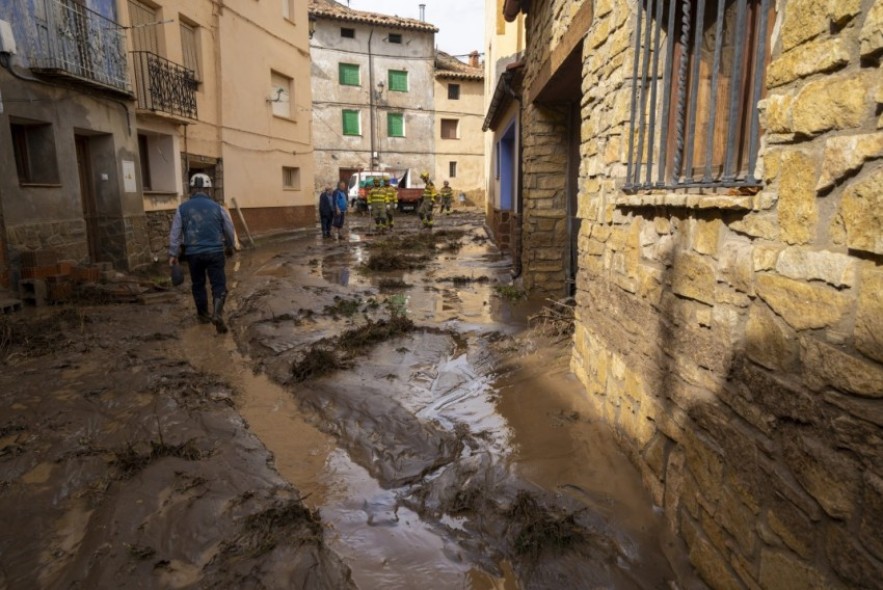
(326, 224)
(211, 264)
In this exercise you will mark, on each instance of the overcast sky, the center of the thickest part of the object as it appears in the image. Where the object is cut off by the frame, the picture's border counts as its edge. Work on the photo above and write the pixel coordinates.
(460, 22)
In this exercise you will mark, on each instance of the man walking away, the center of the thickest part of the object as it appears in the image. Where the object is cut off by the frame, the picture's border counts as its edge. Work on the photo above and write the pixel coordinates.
(392, 199)
(427, 203)
(326, 211)
(206, 233)
(340, 203)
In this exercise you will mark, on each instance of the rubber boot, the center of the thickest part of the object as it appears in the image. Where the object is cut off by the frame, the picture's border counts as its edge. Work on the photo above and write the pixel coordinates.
(218, 315)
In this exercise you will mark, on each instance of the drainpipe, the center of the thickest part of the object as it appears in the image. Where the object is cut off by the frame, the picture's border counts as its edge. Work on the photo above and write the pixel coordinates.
(371, 97)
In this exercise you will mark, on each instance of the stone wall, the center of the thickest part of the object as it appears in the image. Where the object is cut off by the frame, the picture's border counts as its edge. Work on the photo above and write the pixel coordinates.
(544, 138)
(735, 342)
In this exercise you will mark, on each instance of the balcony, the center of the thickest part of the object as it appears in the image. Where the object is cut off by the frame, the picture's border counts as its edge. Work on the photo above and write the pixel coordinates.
(70, 41)
(164, 86)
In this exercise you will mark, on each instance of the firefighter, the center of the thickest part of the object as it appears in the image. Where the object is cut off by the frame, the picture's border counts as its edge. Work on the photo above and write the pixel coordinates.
(427, 203)
(377, 204)
(447, 197)
(392, 199)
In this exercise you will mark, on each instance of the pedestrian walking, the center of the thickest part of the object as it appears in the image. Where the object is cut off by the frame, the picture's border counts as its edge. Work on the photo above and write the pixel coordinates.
(326, 210)
(340, 207)
(427, 202)
(447, 197)
(206, 234)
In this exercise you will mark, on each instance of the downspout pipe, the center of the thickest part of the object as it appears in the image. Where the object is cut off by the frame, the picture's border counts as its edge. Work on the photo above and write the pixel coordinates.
(372, 107)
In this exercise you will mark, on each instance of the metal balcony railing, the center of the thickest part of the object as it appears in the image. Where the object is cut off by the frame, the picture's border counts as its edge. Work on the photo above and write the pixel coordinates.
(72, 41)
(164, 86)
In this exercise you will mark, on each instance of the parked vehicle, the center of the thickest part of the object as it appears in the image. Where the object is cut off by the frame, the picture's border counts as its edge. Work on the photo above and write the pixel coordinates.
(410, 190)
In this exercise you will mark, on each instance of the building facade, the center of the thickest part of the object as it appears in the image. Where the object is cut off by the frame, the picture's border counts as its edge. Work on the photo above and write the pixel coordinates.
(68, 147)
(719, 165)
(504, 47)
(459, 112)
(224, 90)
(372, 79)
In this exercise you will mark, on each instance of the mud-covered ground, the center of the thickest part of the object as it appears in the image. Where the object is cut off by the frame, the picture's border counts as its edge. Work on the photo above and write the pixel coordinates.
(379, 416)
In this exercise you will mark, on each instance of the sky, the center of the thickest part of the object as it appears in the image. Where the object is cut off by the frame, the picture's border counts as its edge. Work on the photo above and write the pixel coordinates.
(460, 22)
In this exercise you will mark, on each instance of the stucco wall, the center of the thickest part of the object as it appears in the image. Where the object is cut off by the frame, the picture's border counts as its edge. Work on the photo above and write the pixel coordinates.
(733, 341)
(468, 149)
(415, 54)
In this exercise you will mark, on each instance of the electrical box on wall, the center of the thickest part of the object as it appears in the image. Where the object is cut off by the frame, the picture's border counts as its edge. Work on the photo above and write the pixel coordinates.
(7, 39)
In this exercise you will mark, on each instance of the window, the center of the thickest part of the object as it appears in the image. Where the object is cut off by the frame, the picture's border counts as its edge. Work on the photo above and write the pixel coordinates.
(280, 94)
(453, 92)
(704, 64)
(34, 147)
(190, 47)
(144, 31)
(449, 128)
(349, 74)
(291, 178)
(351, 122)
(287, 8)
(398, 81)
(158, 169)
(347, 33)
(395, 124)
(452, 169)
(395, 38)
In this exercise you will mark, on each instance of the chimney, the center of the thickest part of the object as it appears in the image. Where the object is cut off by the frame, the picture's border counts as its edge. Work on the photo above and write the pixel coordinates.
(473, 59)
(423, 12)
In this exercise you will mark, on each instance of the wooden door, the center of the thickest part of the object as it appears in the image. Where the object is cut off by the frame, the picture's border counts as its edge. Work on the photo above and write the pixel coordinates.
(87, 196)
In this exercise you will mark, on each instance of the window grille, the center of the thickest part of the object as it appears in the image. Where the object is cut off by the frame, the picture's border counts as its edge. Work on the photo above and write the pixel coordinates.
(697, 78)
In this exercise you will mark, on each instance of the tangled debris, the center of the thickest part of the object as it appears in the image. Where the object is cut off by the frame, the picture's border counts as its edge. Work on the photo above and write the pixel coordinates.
(556, 318)
(284, 522)
(130, 462)
(538, 531)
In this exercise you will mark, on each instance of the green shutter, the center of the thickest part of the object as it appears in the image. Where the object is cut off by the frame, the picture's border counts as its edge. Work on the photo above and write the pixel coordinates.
(349, 74)
(351, 122)
(395, 124)
(398, 81)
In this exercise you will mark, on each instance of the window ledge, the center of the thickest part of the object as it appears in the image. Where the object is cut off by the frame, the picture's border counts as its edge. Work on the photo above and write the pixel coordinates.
(284, 118)
(40, 185)
(166, 194)
(692, 201)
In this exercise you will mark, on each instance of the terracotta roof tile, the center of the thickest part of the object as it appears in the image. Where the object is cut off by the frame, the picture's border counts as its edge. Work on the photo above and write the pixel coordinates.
(337, 11)
(447, 66)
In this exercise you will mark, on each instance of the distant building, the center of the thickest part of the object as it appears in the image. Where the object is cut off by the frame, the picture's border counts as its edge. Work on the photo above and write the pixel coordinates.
(372, 78)
(459, 112)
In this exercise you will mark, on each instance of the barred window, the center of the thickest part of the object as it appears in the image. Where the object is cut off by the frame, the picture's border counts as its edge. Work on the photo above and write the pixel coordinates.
(698, 76)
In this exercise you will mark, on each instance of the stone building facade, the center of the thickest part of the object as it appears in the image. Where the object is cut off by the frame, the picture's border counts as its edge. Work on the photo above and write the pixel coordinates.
(730, 330)
(372, 77)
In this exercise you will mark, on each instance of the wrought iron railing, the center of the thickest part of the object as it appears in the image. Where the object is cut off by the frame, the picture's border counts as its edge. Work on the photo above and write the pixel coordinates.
(698, 75)
(73, 41)
(164, 86)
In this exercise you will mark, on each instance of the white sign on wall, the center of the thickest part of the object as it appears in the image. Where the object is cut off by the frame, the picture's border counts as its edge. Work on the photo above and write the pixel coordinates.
(130, 186)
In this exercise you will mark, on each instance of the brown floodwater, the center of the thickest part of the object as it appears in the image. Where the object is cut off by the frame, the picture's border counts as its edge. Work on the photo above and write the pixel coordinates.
(472, 400)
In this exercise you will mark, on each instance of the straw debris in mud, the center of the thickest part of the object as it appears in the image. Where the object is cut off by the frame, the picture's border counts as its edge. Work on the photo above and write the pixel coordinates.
(284, 522)
(556, 318)
(130, 462)
(539, 531)
(316, 362)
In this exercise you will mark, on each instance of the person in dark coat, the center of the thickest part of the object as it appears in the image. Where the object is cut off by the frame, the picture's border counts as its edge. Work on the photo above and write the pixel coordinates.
(326, 211)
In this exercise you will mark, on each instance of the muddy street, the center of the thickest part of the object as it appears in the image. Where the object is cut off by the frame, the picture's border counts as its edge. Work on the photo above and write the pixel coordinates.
(383, 414)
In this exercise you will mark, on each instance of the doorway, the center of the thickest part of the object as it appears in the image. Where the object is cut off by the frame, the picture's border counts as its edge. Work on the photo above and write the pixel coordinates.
(344, 174)
(88, 200)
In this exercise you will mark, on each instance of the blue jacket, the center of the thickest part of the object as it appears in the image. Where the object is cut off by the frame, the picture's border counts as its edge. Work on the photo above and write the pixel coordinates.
(201, 226)
(341, 200)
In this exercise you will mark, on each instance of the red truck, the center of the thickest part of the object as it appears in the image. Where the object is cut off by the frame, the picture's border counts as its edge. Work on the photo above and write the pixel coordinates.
(410, 190)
